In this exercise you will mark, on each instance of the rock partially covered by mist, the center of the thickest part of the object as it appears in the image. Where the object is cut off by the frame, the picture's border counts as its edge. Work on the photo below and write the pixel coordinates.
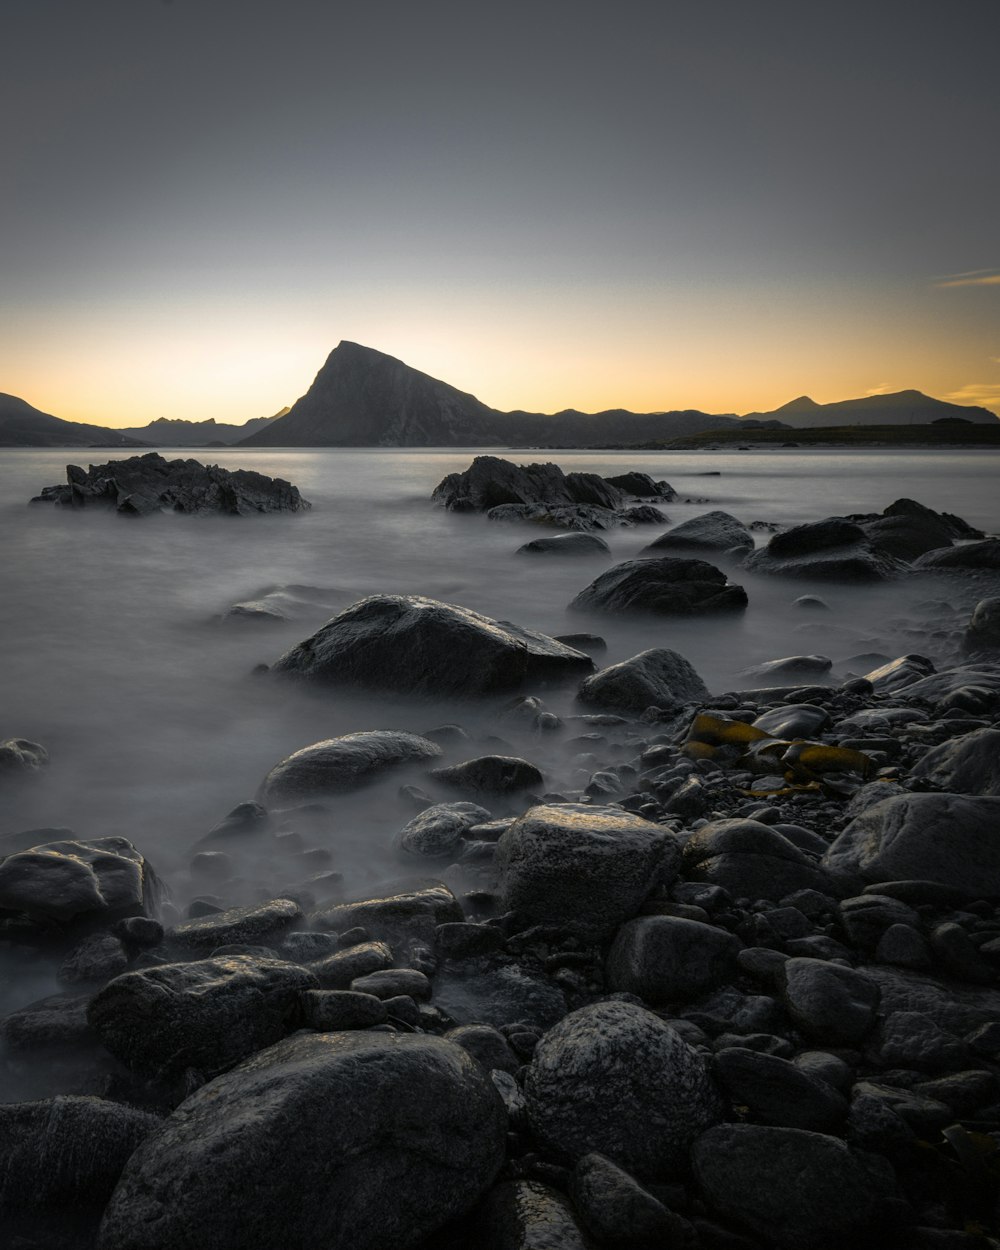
(714, 532)
(261, 924)
(566, 545)
(947, 838)
(60, 1159)
(60, 884)
(642, 486)
(983, 632)
(751, 859)
(438, 831)
(205, 1015)
(967, 557)
(835, 549)
(141, 485)
(614, 1078)
(341, 764)
(584, 868)
(907, 529)
(398, 912)
(490, 774)
(349, 1141)
(666, 587)
(411, 645)
(654, 678)
(21, 757)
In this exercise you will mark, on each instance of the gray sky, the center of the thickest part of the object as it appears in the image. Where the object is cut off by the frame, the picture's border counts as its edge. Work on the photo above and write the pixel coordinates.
(716, 204)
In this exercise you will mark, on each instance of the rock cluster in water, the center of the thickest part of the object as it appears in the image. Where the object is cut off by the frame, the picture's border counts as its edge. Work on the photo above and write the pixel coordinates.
(736, 987)
(142, 485)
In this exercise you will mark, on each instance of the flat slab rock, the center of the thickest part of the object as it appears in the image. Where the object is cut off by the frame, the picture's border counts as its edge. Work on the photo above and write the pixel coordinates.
(413, 645)
(142, 485)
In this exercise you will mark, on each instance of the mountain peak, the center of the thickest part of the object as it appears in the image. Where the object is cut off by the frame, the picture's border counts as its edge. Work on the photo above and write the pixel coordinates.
(803, 403)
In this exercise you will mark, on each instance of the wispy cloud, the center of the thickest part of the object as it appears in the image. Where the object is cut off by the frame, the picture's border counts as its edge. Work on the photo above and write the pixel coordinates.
(972, 277)
(985, 394)
(883, 388)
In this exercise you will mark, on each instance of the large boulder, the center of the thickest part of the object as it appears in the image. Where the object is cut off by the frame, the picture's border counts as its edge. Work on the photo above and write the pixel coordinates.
(349, 1141)
(616, 1079)
(714, 532)
(261, 924)
(412, 645)
(341, 764)
(526, 1215)
(141, 485)
(581, 867)
(969, 556)
(751, 860)
(834, 549)
(796, 1189)
(205, 1015)
(907, 529)
(490, 481)
(654, 678)
(665, 959)
(666, 587)
(579, 517)
(968, 764)
(76, 881)
(829, 1003)
(948, 838)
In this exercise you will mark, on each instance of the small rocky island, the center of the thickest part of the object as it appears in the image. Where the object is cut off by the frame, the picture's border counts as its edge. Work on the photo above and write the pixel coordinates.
(143, 485)
(735, 988)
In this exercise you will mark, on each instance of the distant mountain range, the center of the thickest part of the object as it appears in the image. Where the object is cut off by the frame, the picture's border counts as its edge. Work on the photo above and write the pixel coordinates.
(364, 398)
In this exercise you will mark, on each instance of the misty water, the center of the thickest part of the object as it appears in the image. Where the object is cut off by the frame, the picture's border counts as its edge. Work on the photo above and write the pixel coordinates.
(114, 659)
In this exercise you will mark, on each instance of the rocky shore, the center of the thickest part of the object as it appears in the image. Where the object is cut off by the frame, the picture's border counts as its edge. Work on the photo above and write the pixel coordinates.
(725, 977)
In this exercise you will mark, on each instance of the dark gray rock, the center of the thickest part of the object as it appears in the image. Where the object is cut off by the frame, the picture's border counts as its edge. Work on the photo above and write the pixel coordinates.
(907, 529)
(349, 1141)
(59, 1020)
(401, 911)
(956, 1008)
(526, 1215)
(500, 996)
(566, 545)
(61, 883)
(581, 867)
(340, 764)
(491, 774)
(97, 957)
(339, 970)
(571, 516)
(968, 556)
(256, 925)
(664, 587)
(206, 1015)
(145, 484)
(619, 1212)
(968, 764)
(751, 860)
(797, 720)
(777, 1091)
(21, 757)
(789, 669)
(642, 486)
(911, 1039)
(411, 645)
(486, 1045)
(393, 982)
(713, 533)
(948, 838)
(654, 678)
(795, 1189)
(828, 1002)
(490, 481)
(867, 916)
(831, 550)
(328, 1011)
(667, 958)
(615, 1079)
(438, 831)
(983, 631)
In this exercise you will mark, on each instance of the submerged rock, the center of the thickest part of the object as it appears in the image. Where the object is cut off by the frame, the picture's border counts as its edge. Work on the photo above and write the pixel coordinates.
(438, 831)
(341, 764)
(141, 485)
(968, 556)
(412, 645)
(907, 529)
(490, 774)
(666, 586)
(566, 545)
(983, 632)
(834, 549)
(349, 1141)
(21, 756)
(654, 678)
(715, 532)
(490, 481)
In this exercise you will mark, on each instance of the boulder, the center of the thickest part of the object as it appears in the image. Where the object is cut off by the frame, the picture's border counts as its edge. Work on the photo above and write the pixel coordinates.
(654, 678)
(907, 529)
(620, 1212)
(828, 1002)
(790, 669)
(712, 533)
(64, 883)
(581, 867)
(983, 631)
(411, 645)
(642, 486)
(490, 774)
(341, 764)
(438, 831)
(206, 1015)
(948, 838)
(776, 1091)
(953, 1006)
(664, 959)
(145, 484)
(751, 860)
(21, 757)
(502, 995)
(399, 910)
(259, 925)
(968, 764)
(795, 1189)
(834, 550)
(566, 545)
(968, 556)
(579, 517)
(525, 1215)
(665, 587)
(490, 481)
(616, 1079)
(794, 720)
(349, 1141)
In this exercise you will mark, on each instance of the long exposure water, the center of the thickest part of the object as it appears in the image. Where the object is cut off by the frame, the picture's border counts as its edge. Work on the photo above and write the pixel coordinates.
(112, 655)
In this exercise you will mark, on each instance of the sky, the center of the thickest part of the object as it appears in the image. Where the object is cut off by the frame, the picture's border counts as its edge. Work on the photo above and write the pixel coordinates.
(709, 204)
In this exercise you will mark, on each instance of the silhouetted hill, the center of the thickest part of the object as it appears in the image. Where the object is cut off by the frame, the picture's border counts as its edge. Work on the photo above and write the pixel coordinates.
(362, 397)
(179, 432)
(24, 426)
(899, 408)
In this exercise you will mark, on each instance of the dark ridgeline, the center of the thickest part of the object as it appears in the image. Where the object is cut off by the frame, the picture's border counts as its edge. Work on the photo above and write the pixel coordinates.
(24, 426)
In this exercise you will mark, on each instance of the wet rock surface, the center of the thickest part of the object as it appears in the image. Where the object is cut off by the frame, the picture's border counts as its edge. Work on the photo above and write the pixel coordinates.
(664, 586)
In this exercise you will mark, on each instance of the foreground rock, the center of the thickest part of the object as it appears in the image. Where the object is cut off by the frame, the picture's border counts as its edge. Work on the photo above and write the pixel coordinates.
(341, 764)
(615, 1079)
(412, 645)
(834, 550)
(968, 764)
(666, 587)
(654, 678)
(145, 484)
(350, 1141)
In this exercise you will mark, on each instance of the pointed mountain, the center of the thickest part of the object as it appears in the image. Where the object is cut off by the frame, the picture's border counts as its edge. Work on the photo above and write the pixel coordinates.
(24, 426)
(364, 398)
